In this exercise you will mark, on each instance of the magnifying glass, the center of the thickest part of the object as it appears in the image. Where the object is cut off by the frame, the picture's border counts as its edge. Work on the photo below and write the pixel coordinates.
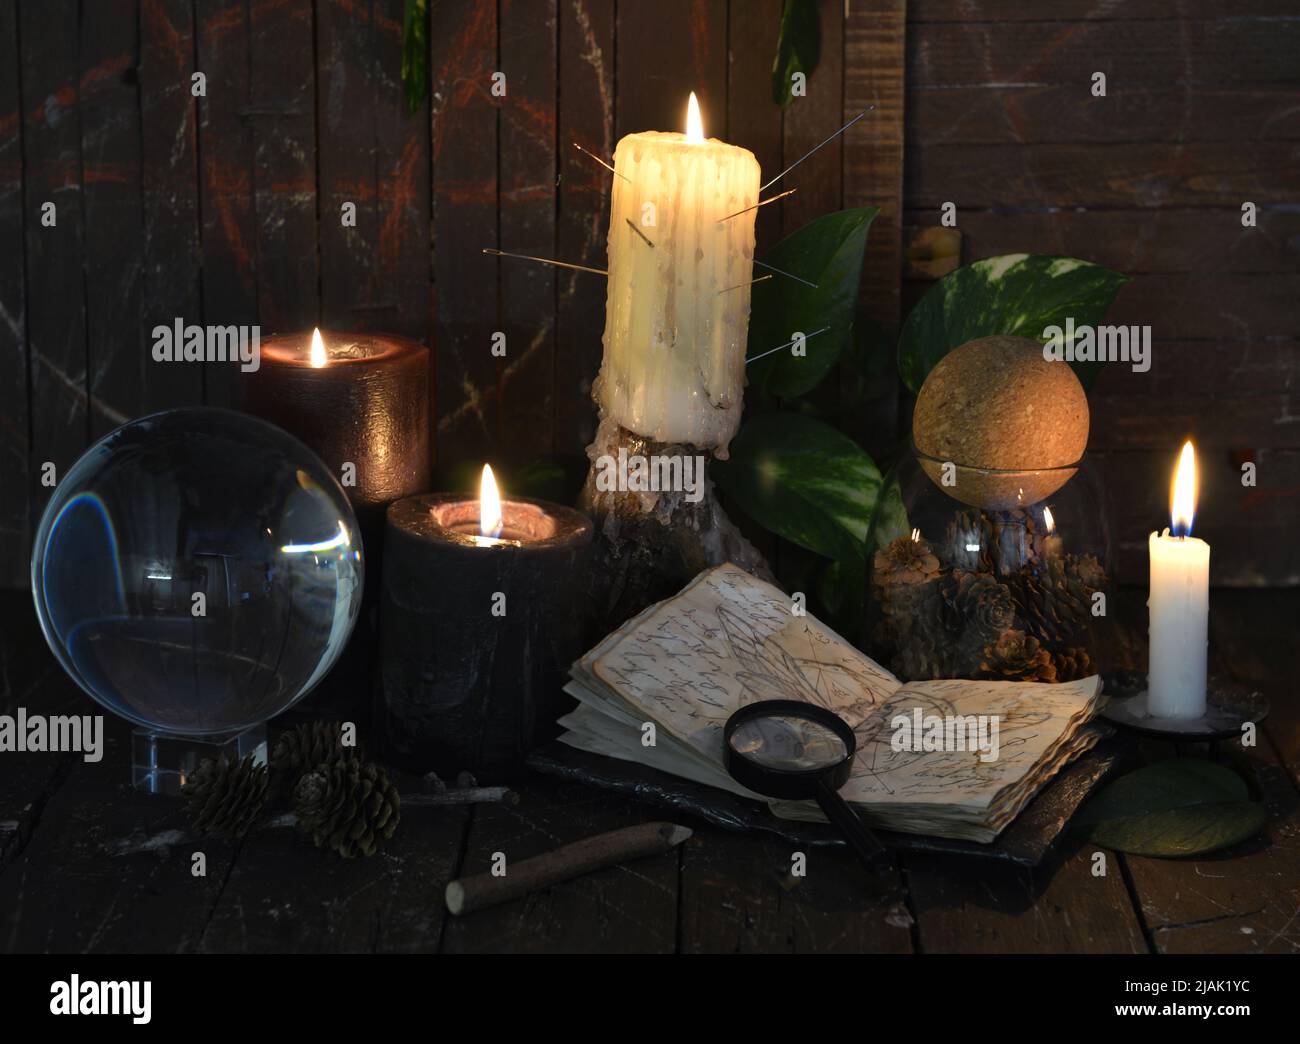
(795, 750)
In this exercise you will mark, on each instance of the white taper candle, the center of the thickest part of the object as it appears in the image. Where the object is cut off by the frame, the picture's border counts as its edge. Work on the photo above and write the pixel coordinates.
(1179, 606)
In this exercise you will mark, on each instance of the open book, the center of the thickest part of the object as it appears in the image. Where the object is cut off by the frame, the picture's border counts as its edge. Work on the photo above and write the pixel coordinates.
(728, 639)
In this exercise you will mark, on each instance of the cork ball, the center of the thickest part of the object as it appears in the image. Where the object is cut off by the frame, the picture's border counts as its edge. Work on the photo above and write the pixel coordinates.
(995, 405)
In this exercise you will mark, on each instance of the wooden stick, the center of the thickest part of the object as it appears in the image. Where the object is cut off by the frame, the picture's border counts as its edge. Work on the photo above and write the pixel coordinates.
(463, 796)
(572, 860)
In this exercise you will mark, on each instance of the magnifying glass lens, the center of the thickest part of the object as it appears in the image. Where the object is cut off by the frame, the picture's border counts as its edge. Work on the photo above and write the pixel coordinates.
(794, 750)
(788, 743)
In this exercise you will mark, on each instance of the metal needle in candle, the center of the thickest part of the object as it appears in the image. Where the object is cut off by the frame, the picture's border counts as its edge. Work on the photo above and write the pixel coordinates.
(788, 344)
(788, 275)
(760, 203)
(632, 225)
(601, 162)
(546, 261)
(750, 283)
(816, 147)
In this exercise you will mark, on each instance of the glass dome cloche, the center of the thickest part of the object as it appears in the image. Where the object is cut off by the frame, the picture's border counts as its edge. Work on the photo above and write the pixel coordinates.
(1001, 589)
(992, 553)
(197, 572)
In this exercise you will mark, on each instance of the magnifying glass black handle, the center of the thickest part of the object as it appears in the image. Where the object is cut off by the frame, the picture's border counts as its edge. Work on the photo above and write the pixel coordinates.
(862, 840)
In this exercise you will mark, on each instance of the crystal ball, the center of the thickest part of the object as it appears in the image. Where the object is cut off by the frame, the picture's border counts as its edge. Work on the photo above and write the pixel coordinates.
(197, 571)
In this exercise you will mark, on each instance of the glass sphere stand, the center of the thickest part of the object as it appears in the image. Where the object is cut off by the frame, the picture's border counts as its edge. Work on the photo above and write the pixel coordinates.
(161, 762)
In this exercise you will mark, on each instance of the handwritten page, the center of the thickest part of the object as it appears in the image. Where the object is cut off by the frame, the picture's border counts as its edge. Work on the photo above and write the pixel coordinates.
(729, 639)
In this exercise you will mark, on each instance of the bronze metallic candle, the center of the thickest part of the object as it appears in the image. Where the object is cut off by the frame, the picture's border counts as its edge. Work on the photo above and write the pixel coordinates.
(361, 402)
(482, 613)
(357, 399)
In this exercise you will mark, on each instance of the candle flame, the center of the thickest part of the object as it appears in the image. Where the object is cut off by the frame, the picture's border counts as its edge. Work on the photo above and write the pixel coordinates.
(318, 357)
(916, 536)
(490, 522)
(1182, 494)
(1047, 518)
(694, 125)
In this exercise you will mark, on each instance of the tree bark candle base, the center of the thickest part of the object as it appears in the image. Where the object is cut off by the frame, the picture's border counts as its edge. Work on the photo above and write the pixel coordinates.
(477, 633)
(650, 544)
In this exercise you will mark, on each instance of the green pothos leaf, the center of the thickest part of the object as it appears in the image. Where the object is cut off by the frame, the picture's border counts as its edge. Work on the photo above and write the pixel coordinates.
(798, 48)
(814, 293)
(803, 480)
(1019, 294)
(415, 54)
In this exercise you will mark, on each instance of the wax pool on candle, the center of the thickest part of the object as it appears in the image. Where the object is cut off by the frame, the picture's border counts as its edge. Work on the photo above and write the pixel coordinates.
(1179, 605)
(677, 313)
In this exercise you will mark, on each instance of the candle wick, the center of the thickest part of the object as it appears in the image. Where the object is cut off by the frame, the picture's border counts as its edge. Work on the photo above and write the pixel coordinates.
(546, 261)
(760, 203)
(755, 358)
(796, 163)
(601, 162)
(632, 225)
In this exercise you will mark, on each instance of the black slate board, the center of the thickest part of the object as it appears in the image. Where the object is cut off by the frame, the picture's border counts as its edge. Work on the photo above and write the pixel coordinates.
(1029, 838)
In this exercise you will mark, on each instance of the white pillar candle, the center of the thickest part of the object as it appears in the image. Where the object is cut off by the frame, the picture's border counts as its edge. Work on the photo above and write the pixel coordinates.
(677, 312)
(1179, 607)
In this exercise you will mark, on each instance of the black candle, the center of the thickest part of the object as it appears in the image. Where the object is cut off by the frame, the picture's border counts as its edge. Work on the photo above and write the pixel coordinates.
(479, 621)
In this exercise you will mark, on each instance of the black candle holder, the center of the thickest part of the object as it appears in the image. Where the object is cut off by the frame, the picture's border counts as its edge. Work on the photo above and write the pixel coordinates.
(477, 634)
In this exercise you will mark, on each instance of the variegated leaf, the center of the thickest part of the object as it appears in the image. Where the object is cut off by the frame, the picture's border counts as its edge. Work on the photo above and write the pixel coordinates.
(805, 481)
(1018, 294)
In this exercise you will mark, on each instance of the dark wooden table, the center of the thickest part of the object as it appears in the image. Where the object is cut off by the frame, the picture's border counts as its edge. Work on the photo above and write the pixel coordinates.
(62, 889)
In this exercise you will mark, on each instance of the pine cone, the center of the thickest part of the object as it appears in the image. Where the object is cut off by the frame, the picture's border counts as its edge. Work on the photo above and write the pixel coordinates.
(1073, 663)
(224, 797)
(347, 805)
(1017, 656)
(1086, 570)
(1053, 603)
(976, 600)
(306, 746)
(919, 657)
(905, 580)
(905, 561)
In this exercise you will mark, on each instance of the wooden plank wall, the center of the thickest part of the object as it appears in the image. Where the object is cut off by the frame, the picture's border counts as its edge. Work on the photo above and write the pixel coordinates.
(226, 207)
(1201, 114)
